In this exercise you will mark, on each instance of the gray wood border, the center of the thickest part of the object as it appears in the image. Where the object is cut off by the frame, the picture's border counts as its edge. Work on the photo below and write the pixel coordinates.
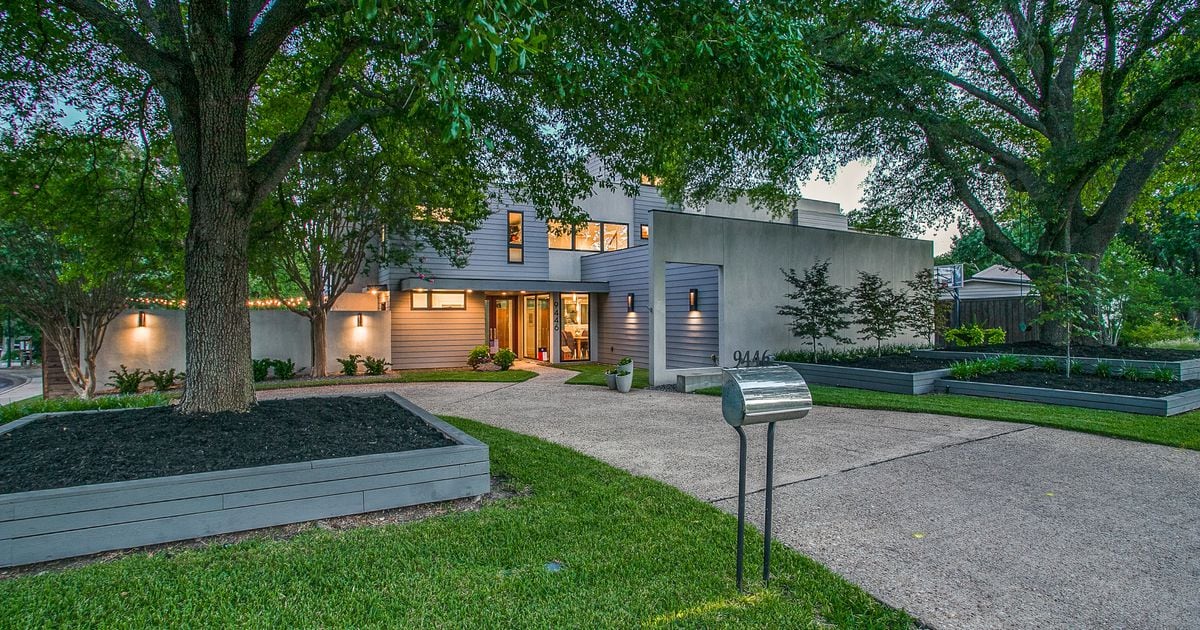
(864, 378)
(46, 525)
(1184, 370)
(1164, 406)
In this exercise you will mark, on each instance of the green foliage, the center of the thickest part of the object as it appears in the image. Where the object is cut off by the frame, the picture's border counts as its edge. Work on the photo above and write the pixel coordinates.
(261, 368)
(505, 358)
(127, 382)
(974, 335)
(350, 364)
(625, 366)
(285, 369)
(19, 410)
(1102, 369)
(877, 309)
(1126, 293)
(840, 355)
(1163, 375)
(374, 367)
(819, 309)
(479, 356)
(164, 379)
(925, 313)
(1182, 343)
(1069, 293)
(967, 370)
(1133, 374)
(1050, 365)
(1156, 331)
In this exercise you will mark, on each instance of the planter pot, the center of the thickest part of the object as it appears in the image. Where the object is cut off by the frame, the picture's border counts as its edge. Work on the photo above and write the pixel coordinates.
(625, 382)
(611, 380)
(626, 368)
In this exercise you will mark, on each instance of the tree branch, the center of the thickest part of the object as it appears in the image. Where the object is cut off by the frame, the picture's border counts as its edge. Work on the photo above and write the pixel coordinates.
(114, 28)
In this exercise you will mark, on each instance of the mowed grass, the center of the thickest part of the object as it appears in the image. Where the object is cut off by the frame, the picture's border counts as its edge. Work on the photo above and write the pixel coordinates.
(410, 376)
(20, 409)
(593, 374)
(1182, 431)
(634, 552)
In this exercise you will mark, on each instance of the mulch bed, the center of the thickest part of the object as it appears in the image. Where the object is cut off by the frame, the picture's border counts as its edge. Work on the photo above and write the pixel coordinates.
(88, 448)
(1089, 383)
(895, 363)
(1101, 352)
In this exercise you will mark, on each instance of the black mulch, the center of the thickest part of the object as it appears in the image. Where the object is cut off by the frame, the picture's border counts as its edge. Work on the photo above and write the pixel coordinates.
(87, 448)
(1103, 352)
(896, 363)
(1088, 383)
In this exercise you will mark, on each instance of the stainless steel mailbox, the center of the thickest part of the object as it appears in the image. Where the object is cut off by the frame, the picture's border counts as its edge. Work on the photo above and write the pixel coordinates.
(769, 393)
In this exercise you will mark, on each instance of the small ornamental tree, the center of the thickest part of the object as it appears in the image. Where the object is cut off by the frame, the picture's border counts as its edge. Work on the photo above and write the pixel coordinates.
(820, 307)
(878, 309)
(925, 314)
(1068, 292)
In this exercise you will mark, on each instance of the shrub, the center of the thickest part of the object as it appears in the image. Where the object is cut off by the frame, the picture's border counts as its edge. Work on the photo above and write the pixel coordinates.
(375, 367)
(350, 364)
(505, 358)
(259, 368)
(164, 379)
(1132, 374)
(841, 355)
(1102, 370)
(878, 309)
(819, 309)
(994, 336)
(1009, 363)
(284, 369)
(125, 381)
(1155, 332)
(1048, 365)
(479, 356)
(964, 370)
(1164, 375)
(974, 335)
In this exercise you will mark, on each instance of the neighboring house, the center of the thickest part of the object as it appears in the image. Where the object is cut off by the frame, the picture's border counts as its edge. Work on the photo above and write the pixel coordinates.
(995, 282)
(673, 289)
(998, 297)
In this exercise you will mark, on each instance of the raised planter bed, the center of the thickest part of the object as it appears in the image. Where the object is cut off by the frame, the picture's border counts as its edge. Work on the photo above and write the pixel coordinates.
(1184, 370)
(1156, 406)
(918, 382)
(51, 524)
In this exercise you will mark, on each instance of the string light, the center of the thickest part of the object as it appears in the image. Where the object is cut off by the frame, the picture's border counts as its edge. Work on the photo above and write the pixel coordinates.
(267, 303)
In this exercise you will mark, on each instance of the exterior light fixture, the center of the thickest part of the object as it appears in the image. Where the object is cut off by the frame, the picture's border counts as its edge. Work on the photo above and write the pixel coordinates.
(629, 302)
(359, 320)
(141, 319)
(380, 291)
(693, 299)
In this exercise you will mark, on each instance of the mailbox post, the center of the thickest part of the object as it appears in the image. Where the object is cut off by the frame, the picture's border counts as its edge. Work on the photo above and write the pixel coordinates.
(754, 395)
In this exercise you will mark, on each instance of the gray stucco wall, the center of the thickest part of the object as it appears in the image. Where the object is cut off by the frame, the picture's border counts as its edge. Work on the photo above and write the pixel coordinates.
(750, 254)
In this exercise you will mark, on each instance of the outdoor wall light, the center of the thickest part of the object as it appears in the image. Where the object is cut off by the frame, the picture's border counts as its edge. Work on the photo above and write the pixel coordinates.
(141, 319)
(359, 320)
(380, 291)
(629, 302)
(693, 299)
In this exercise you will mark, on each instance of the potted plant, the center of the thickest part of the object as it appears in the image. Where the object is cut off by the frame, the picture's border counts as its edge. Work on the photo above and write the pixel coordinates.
(625, 375)
(610, 378)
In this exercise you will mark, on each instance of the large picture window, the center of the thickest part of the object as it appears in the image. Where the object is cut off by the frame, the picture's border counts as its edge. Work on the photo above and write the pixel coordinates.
(516, 237)
(593, 236)
(439, 300)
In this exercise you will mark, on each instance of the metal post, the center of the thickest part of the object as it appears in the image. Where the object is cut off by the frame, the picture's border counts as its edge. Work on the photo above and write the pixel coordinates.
(741, 532)
(8, 339)
(770, 488)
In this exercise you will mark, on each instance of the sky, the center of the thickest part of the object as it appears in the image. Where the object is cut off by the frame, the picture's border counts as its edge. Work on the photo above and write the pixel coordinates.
(846, 189)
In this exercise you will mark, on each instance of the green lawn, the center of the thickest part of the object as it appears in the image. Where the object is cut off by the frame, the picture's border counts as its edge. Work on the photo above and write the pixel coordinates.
(593, 374)
(410, 376)
(1182, 431)
(23, 408)
(635, 553)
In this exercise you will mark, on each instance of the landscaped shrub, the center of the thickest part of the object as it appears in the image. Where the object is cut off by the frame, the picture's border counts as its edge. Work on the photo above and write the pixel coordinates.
(125, 381)
(350, 364)
(375, 367)
(1154, 332)
(260, 368)
(1009, 363)
(1164, 375)
(1049, 365)
(840, 355)
(284, 369)
(820, 308)
(1102, 370)
(925, 313)
(1133, 374)
(505, 358)
(967, 370)
(479, 356)
(877, 309)
(974, 335)
(164, 379)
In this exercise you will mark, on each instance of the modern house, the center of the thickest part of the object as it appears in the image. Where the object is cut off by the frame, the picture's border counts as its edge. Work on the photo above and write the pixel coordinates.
(673, 288)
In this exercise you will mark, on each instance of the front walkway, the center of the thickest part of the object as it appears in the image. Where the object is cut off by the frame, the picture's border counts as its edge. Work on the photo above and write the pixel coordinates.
(964, 523)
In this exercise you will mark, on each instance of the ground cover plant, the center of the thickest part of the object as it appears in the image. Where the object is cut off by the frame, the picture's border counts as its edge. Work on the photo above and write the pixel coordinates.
(593, 374)
(1091, 351)
(1182, 431)
(482, 569)
(20, 409)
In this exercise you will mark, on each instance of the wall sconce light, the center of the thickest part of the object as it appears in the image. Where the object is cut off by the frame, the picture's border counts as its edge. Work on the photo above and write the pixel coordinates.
(141, 319)
(380, 291)
(693, 299)
(359, 320)
(629, 302)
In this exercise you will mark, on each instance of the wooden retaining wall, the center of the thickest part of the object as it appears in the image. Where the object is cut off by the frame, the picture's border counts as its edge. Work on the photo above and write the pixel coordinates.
(862, 378)
(1165, 406)
(1184, 370)
(51, 524)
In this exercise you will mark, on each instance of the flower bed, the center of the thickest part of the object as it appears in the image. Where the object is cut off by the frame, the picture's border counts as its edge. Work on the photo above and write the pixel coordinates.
(1073, 392)
(1184, 368)
(898, 374)
(380, 452)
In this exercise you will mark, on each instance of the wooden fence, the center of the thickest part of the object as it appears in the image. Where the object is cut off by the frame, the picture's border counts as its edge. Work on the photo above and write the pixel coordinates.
(1014, 315)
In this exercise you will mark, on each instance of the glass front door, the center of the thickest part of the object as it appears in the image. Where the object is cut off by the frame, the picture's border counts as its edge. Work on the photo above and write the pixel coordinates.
(537, 327)
(502, 323)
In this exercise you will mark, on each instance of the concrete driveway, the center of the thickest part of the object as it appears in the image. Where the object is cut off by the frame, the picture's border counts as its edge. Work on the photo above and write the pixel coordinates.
(963, 523)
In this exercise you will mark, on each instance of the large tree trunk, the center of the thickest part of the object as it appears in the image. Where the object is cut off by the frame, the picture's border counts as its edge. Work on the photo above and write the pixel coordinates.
(318, 318)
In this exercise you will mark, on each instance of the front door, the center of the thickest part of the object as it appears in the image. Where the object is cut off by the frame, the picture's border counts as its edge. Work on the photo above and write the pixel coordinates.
(502, 323)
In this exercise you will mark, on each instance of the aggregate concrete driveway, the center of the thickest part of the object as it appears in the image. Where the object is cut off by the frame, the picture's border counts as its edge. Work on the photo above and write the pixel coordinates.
(963, 523)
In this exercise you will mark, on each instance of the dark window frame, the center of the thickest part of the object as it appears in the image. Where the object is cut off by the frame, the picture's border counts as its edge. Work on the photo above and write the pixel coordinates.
(644, 232)
(429, 301)
(575, 248)
(520, 246)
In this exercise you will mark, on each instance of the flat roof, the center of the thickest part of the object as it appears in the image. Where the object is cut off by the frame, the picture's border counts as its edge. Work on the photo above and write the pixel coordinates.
(495, 284)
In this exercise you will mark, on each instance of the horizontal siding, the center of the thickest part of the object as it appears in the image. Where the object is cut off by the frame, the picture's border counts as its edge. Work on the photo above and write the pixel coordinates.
(692, 337)
(825, 220)
(489, 251)
(435, 338)
(618, 332)
(648, 200)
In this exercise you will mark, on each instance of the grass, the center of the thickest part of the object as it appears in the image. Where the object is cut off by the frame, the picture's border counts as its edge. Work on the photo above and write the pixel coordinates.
(20, 409)
(1182, 431)
(634, 552)
(593, 374)
(410, 376)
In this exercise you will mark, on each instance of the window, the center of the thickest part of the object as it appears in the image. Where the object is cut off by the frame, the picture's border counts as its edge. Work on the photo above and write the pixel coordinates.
(645, 231)
(516, 237)
(439, 300)
(575, 343)
(593, 236)
(648, 180)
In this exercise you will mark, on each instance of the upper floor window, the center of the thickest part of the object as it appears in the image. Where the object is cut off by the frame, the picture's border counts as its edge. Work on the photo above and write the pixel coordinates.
(516, 237)
(645, 232)
(593, 236)
(648, 180)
